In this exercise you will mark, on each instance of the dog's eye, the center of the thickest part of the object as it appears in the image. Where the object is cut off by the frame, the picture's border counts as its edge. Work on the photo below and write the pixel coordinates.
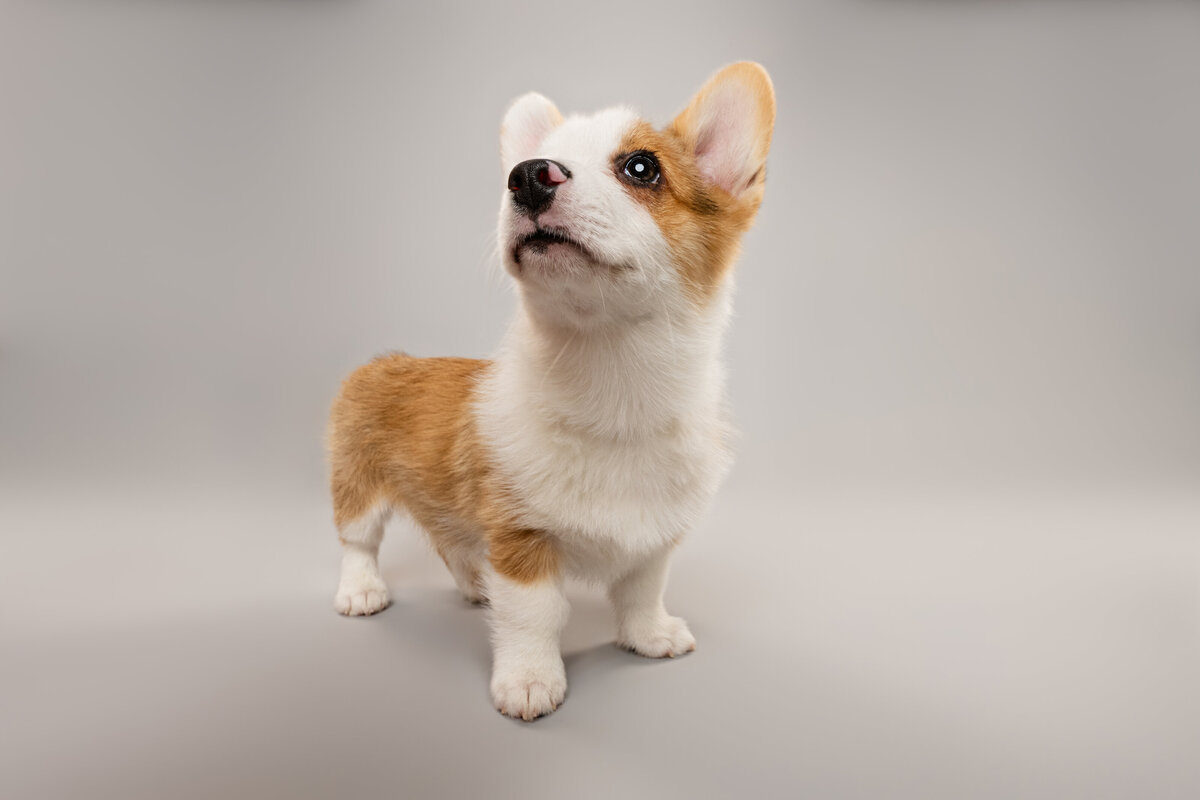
(642, 168)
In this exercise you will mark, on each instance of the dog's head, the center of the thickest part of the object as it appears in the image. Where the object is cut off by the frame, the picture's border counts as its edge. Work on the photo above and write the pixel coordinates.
(605, 219)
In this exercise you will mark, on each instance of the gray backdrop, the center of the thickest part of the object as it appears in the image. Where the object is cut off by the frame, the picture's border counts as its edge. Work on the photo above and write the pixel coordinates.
(959, 554)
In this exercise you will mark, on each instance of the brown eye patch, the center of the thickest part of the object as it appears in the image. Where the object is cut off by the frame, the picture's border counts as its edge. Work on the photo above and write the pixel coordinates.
(700, 223)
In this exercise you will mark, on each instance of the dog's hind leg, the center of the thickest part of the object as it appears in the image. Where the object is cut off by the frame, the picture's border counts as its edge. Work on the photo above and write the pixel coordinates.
(361, 589)
(462, 548)
(466, 565)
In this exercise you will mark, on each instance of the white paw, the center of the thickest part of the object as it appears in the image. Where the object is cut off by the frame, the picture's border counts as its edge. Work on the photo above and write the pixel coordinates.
(367, 595)
(529, 693)
(665, 637)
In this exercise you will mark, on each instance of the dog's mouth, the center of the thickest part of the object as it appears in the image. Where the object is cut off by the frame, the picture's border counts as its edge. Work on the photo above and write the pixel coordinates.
(540, 240)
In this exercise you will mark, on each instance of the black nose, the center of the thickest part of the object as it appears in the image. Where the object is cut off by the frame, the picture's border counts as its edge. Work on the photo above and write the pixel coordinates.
(533, 183)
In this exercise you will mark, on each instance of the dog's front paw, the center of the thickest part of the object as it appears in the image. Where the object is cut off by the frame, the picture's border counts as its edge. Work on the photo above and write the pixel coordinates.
(361, 596)
(664, 637)
(529, 692)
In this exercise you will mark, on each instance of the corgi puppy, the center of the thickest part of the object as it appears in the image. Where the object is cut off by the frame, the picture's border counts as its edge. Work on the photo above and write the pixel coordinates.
(598, 435)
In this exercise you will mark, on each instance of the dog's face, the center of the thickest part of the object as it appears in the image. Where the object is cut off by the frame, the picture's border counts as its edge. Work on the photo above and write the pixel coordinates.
(607, 220)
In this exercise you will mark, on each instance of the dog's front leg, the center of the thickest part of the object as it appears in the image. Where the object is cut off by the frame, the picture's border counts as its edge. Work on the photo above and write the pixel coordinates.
(643, 624)
(527, 618)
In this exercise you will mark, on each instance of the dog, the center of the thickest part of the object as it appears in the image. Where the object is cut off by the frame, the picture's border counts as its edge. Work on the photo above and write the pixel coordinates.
(598, 435)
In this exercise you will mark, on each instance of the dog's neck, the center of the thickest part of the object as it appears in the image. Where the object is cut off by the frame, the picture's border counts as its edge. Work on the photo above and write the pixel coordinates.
(633, 379)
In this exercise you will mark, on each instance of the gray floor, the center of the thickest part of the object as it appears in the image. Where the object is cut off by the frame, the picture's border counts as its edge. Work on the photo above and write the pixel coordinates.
(851, 644)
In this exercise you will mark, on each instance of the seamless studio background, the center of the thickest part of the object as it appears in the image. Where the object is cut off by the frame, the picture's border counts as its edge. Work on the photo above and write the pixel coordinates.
(959, 555)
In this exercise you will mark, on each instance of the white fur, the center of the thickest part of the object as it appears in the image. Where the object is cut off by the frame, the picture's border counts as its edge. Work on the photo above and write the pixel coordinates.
(528, 677)
(643, 624)
(563, 288)
(620, 439)
(526, 123)
(605, 405)
(604, 410)
(361, 590)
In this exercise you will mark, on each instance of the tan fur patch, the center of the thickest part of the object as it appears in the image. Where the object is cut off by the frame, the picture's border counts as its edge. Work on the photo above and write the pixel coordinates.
(701, 222)
(401, 433)
(523, 555)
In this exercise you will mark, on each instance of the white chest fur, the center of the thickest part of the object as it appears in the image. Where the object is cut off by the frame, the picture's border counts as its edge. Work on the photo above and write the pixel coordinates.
(615, 442)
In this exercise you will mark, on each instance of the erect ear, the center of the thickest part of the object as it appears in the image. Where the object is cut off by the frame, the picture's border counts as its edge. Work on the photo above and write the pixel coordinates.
(525, 126)
(728, 126)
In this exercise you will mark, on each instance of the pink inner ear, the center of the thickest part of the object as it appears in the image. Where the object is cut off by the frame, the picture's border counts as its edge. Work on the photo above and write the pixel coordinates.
(725, 141)
(711, 168)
